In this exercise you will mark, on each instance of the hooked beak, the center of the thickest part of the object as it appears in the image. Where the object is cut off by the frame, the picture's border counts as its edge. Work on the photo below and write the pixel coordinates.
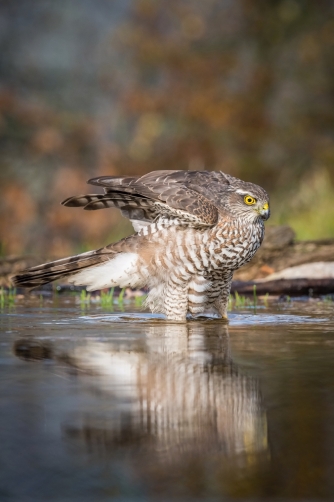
(264, 211)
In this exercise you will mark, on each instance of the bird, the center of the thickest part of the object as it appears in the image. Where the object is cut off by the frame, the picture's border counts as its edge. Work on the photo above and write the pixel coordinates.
(193, 229)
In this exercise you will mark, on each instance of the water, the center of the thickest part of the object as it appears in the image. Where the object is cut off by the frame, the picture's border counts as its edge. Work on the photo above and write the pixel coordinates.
(99, 406)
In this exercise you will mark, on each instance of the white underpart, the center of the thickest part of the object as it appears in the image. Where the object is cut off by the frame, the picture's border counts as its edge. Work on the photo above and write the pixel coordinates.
(197, 299)
(200, 284)
(155, 297)
(138, 224)
(124, 271)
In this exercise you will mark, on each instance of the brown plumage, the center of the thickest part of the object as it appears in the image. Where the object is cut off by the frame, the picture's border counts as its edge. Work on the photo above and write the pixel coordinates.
(193, 229)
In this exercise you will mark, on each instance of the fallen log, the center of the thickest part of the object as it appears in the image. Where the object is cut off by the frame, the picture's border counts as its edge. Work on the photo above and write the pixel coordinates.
(289, 287)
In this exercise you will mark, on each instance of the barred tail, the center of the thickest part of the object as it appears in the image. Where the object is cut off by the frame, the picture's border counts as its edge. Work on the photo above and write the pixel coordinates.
(98, 269)
(65, 267)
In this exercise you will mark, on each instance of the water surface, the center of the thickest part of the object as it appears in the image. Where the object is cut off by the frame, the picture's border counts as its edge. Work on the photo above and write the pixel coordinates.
(99, 405)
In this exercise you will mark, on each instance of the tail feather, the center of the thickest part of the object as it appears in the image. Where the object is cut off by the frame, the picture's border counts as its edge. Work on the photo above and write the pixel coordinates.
(65, 267)
(103, 268)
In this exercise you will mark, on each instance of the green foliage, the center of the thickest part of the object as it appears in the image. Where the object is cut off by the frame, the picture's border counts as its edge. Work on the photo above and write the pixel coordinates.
(239, 301)
(265, 300)
(254, 297)
(139, 300)
(85, 299)
(310, 208)
(107, 298)
(7, 297)
(121, 297)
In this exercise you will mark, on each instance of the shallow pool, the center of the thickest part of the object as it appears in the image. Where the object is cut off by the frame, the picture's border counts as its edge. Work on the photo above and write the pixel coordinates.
(99, 405)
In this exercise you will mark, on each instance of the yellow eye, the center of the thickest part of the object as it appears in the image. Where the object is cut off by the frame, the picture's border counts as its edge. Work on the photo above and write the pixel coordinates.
(249, 200)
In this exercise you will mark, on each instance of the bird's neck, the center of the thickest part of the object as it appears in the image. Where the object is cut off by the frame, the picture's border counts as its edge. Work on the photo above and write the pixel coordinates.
(245, 228)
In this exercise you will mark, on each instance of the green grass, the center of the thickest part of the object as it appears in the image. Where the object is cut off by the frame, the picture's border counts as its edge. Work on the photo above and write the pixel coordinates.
(139, 300)
(107, 298)
(121, 297)
(7, 297)
(237, 301)
(254, 297)
(84, 300)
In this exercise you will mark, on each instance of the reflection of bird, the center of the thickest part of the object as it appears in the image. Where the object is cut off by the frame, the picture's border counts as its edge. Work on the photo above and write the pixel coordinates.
(178, 391)
(194, 228)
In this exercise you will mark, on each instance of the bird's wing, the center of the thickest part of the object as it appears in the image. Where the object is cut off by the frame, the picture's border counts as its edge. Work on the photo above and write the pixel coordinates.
(132, 207)
(189, 196)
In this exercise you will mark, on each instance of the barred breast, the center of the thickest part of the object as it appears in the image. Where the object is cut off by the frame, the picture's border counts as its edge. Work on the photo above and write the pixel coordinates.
(192, 269)
(193, 251)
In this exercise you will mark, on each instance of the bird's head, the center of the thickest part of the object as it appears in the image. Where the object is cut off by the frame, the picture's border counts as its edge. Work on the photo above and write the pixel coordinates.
(247, 200)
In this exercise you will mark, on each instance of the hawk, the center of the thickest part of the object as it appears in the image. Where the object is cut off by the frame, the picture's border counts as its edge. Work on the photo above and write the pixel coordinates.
(193, 229)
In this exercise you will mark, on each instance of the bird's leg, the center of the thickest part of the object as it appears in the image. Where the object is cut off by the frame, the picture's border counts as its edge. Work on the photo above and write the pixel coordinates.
(218, 294)
(221, 305)
(176, 299)
(221, 302)
(197, 295)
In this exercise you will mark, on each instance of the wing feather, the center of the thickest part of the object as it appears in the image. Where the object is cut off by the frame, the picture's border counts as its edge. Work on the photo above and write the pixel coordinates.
(132, 207)
(185, 195)
(191, 196)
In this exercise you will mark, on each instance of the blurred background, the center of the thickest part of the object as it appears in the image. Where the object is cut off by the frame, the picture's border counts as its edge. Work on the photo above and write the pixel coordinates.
(95, 87)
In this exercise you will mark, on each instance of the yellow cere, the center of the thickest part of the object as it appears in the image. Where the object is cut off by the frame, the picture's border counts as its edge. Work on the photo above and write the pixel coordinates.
(266, 206)
(249, 200)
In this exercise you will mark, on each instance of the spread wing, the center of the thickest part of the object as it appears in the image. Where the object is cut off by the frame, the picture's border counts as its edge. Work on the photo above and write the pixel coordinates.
(189, 196)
